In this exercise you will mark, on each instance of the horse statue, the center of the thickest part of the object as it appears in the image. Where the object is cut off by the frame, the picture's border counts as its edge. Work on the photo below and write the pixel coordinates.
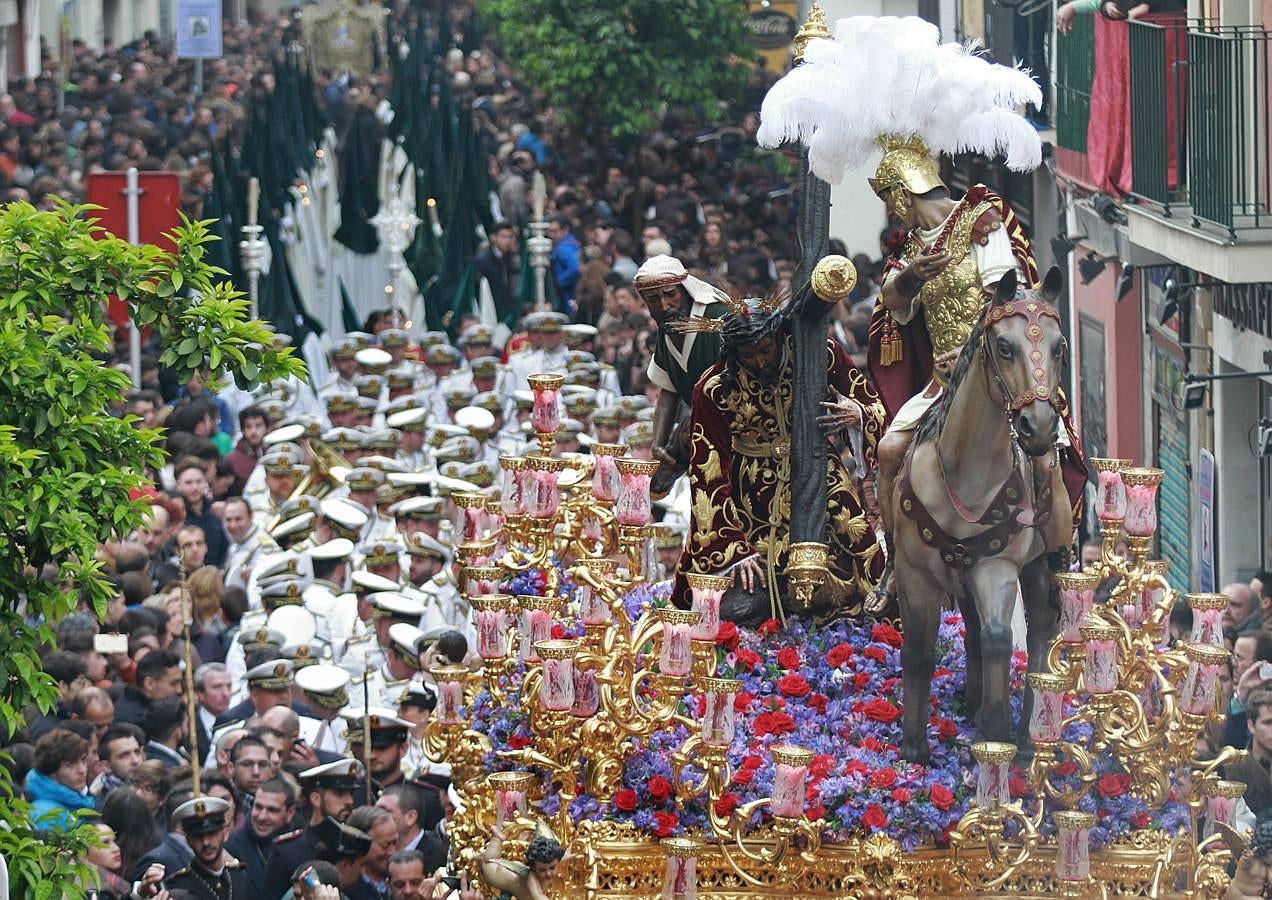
(971, 505)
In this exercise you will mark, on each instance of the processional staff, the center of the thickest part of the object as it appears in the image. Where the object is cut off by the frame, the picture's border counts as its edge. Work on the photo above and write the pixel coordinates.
(192, 706)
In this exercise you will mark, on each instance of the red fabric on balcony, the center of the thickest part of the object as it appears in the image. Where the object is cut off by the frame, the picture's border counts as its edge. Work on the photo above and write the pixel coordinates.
(1109, 128)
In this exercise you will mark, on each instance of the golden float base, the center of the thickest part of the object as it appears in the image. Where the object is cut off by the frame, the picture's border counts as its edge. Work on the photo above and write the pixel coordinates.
(623, 865)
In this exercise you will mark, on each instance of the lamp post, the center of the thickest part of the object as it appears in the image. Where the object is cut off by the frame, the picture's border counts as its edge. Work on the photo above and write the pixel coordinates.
(395, 224)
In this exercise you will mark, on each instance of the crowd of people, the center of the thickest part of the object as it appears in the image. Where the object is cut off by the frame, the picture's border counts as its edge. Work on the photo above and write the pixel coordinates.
(300, 610)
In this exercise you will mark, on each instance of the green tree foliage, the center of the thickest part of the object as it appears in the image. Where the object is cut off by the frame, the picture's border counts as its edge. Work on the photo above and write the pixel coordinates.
(68, 468)
(614, 65)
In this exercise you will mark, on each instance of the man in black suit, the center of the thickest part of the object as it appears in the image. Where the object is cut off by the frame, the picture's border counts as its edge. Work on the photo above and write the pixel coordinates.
(213, 688)
(253, 843)
(166, 727)
(499, 266)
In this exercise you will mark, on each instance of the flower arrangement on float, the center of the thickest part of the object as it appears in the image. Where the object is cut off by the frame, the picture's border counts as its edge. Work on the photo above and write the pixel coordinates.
(835, 690)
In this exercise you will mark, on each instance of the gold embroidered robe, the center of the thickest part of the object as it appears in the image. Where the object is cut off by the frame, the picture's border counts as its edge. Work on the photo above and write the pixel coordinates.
(740, 484)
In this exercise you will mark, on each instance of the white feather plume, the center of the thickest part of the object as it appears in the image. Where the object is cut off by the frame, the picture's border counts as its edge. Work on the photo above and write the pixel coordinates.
(883, 75)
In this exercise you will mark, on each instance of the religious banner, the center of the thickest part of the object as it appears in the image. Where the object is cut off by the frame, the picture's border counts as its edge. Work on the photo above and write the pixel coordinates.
(342, 36)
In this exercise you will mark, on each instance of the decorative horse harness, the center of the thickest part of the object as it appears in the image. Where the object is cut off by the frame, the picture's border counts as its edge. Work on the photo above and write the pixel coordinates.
(1013, 507)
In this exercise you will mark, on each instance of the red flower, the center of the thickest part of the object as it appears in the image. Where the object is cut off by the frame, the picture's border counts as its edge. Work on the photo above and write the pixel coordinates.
(886, 634)
(747, 658)
(1115, 784)
(727, 803)
(883, 778)
(901, 795)
(659, 788)
(518, 741)
(821, 765)
(742, 777)
(882, 711)
(788, 658)
(945, 728)
(752, 762)
(664, 823)
(942, 799)
(558, 631)
(874, 818)
(818, 702)
(855, 767)
(742, 702)
(861, 680)
(773, 723)
(1067, 769)
(873, 744)
(1140, 820)
(769, 626)
(727, 635)
(794, 685)
(839, 654)
(1017, 786)
(878, 654)
(625, 800)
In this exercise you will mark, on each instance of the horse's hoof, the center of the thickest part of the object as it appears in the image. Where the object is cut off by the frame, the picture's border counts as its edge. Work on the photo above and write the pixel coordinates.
(1024, 755)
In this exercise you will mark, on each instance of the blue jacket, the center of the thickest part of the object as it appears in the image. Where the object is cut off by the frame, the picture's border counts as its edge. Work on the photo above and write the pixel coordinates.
(49, 796)
(565, 270)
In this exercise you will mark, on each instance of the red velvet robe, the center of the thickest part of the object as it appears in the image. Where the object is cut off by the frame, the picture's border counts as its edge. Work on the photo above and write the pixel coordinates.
(739, 476)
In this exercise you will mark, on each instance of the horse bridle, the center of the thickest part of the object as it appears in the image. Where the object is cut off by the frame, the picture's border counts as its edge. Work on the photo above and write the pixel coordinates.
(1033, 312)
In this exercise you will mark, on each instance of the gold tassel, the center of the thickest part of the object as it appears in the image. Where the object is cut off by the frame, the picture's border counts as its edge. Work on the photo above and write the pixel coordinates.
(890, 347)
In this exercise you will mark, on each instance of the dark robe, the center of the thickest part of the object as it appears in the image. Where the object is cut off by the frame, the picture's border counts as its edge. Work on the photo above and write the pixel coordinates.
(739, 477)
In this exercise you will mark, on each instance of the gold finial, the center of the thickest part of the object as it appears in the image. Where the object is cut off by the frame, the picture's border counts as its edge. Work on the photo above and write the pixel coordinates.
(834, 277)
(814, 27)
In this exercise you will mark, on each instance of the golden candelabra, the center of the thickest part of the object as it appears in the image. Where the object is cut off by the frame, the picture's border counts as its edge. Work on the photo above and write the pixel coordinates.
(606, 680)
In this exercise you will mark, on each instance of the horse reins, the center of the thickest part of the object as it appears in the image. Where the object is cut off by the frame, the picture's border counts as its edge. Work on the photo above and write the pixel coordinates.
(1000, 524)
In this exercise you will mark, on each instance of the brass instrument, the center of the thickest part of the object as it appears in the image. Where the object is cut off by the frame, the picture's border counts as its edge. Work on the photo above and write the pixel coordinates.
(328, 470)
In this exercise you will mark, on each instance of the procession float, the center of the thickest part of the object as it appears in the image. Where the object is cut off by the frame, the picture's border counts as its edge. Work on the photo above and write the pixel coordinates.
(668, 751)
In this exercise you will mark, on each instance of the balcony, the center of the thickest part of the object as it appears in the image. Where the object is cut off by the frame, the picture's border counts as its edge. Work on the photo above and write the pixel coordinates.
(1191, 147)
(1200, 146)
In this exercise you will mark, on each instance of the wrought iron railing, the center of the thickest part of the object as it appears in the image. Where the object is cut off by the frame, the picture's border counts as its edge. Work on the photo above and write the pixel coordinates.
(1228, 153)
(1075, 69)
(1200, 134)
(1158, 60)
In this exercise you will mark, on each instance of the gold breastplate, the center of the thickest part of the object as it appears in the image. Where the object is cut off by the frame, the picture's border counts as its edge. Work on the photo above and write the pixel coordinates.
(952, 301)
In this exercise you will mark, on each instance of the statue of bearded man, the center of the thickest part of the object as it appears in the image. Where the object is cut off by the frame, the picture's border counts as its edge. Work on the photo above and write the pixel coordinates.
(740, 470)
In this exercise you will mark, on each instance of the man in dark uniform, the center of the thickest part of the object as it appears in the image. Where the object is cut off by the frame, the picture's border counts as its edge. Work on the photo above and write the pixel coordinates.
(268, 684)
(328, 800)
(213, 874)
(388, 747)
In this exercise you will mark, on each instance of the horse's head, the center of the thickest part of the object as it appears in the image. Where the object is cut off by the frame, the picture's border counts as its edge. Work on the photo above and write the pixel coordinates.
(1025, 351)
